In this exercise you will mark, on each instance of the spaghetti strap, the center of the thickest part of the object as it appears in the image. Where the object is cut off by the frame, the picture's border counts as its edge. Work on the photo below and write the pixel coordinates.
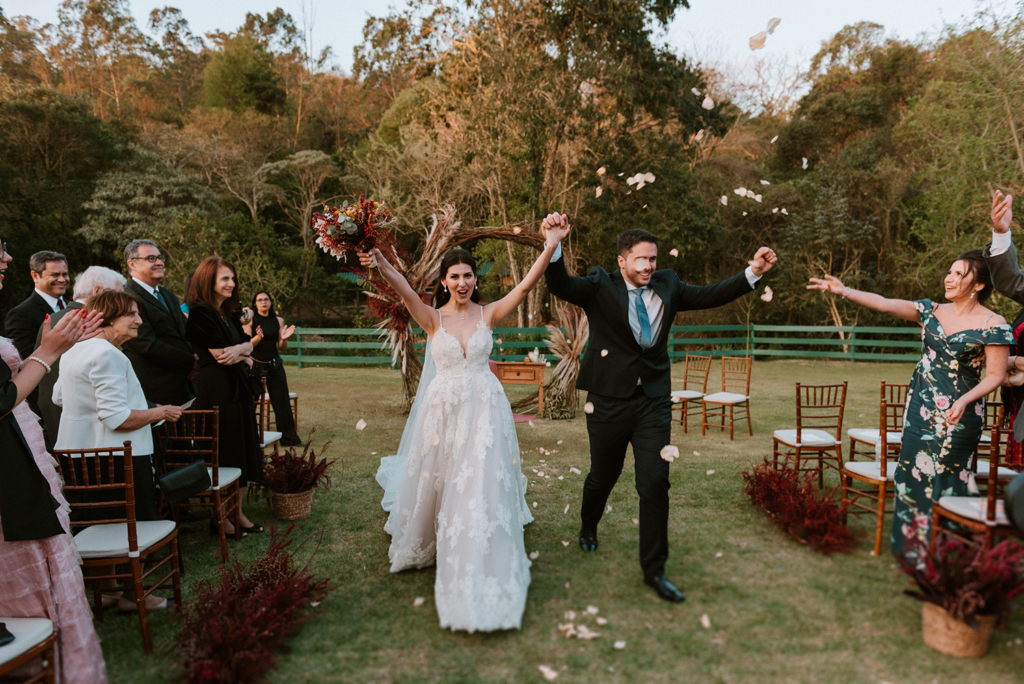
(481, 314)
(440, 318)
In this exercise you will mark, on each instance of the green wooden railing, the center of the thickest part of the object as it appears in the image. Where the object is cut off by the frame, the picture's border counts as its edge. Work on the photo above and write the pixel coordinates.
(858, 343)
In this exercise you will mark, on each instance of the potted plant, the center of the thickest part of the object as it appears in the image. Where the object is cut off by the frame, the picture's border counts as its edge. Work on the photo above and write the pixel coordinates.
(965, 591)
(289, 480)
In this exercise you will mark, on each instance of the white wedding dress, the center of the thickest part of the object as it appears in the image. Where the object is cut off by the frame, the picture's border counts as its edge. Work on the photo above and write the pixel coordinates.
(456, 492)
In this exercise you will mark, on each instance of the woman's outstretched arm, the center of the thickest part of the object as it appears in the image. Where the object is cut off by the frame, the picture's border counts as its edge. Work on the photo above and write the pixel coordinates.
(900, 308)
(422, 313)
(507, 304)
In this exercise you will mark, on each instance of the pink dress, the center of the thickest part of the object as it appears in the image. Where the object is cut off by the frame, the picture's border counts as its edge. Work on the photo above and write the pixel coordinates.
(42, 578)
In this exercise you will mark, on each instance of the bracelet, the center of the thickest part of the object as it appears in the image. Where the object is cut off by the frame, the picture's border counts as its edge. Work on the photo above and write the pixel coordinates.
(847, 292)
(39, 361)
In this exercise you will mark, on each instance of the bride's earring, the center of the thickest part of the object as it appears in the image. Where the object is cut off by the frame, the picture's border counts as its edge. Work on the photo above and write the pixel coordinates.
(972, 295)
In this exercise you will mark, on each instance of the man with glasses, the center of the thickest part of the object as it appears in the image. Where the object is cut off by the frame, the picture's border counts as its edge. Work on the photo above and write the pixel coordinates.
(161, 357)
(49, 272)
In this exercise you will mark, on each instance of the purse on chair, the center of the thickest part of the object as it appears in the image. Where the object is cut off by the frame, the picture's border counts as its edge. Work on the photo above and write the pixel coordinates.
(185, 482)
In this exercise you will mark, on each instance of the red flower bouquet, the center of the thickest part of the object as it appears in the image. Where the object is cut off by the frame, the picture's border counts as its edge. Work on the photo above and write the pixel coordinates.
(350, 226)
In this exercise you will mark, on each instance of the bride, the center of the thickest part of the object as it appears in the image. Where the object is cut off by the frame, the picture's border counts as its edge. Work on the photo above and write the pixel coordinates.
(455, 491)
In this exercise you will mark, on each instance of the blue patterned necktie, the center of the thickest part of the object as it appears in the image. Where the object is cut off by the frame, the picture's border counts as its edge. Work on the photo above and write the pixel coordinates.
(645, 322)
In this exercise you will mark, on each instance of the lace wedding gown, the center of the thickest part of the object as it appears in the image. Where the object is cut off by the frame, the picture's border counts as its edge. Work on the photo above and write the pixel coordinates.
(456, 497)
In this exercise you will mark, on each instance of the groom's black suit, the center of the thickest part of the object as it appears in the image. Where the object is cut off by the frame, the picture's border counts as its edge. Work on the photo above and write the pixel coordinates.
(624, 412)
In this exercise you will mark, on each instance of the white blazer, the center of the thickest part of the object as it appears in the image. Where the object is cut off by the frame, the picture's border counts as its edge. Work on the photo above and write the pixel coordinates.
(98, 390)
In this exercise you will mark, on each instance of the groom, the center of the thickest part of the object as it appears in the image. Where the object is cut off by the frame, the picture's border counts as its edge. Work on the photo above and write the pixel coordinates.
(626, 370)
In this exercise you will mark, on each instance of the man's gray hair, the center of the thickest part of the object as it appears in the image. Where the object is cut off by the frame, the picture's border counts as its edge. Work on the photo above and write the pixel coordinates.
(97, 276)
(37, 262)
(132, 250)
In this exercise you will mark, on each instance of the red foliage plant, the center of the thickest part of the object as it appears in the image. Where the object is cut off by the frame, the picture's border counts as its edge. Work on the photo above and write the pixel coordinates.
(965, 581)
(798, 509)
(290, 473)
(232, 628)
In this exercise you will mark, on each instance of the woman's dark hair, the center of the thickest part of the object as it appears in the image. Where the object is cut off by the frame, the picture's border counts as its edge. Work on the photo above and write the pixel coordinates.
(451, 258)
(204, 282)
(273, 309)
(978, 268)
(113, 303)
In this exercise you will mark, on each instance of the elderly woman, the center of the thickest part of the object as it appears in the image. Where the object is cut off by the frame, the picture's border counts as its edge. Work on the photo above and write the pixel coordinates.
(39, 572)
(215, 331)
(104, 405)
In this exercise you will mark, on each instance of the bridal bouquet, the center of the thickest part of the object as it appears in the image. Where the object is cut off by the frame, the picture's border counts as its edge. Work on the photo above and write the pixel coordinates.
(350, 226)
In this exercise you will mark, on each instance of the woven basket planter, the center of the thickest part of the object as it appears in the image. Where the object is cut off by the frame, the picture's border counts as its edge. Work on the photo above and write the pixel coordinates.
(292, 506)
(955, 637)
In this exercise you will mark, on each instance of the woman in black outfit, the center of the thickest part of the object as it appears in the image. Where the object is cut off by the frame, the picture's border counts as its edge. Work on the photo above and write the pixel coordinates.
(216, 335)
(267, 362)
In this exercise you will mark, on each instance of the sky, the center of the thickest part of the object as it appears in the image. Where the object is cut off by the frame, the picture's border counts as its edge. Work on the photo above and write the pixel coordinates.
(712, 30)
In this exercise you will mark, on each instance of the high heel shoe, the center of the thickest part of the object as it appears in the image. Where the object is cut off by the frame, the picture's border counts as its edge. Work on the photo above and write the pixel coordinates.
(215, 531)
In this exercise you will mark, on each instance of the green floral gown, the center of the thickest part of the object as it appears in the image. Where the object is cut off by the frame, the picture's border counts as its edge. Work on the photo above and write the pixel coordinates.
(934, 461)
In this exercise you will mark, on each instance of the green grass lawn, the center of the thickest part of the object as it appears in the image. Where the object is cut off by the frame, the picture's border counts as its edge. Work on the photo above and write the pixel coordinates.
(778, 611)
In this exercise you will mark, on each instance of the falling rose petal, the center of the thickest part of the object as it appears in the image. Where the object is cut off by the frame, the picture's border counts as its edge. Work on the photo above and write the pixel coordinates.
(744, 213)
(708, 103)
(601, 621)
(724, 199)
(804, 160)
(577, 471)
(360, 424)
(705, 621)
(621, 175)
(699, 136)
(711, 472)
(764, 182)
(566, 509)
(673, 252)
(783, 210)
(435, 440)
(593, 610)
(498, 341)
(517, 231)
(636, 521)
(548, 364)
(601, 171)
(598, 191)
(632, 180)
(641, 185)
(373, 453)
(549, 673)
(775, 210)
(561, 477)
(750, 194)
(534, 555)
(584, 632)
(695, 92)
(719, 554)
(670, 452)
(767, 296)
(619, 645)
(696, 453)
(773, 23)
(418, 601)
(604, 352)
(774, 139)
(757, 198)
(558, 442)
(588, 407)
(566, 585)
(531, 424)
(608, 508)
(649, 177)
(757, 40)
(534, 504)
(565, 543)
(569, 614)
(741, 191)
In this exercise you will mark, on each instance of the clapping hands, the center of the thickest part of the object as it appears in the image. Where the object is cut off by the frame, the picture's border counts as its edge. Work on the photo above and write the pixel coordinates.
(76, 326)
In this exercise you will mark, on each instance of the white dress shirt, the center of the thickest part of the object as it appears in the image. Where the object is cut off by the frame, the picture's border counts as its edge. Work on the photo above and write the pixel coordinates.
(151, 289)
(1000, 243)
(52, 301)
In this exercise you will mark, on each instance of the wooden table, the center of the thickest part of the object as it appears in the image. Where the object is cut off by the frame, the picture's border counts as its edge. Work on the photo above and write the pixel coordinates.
(524, 373)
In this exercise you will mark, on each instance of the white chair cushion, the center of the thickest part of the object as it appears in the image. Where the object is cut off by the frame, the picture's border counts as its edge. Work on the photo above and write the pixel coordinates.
(985, 439)
(680, 395)
(28, 633)
(269, 437)
(103, 541)
(974, 508)
(871, 469)
(808, 438)
(873, 436)
(227, 476)
(725, 398)
(292, 395)
(1004, 473)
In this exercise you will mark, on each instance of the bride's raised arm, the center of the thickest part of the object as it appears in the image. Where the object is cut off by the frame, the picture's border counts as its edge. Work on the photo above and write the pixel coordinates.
(423, 314)
(553, 233)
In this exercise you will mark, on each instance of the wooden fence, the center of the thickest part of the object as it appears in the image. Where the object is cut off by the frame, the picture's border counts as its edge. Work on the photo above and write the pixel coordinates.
(851, 343)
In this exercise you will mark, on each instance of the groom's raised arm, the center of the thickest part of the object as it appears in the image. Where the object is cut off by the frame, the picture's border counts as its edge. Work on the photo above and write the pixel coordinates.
(691, 297)
(573, 289)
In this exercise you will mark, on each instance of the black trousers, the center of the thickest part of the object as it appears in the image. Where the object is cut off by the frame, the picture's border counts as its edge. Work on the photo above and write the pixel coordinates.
(277, 388)
(646, 424)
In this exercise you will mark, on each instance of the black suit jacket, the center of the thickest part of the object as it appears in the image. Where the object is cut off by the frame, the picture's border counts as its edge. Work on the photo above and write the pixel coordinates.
(160, 355)
(48, 411)
(1008, 279)
(23, 321)
(605, 300)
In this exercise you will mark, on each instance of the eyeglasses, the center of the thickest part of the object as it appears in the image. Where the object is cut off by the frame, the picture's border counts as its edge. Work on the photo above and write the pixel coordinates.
(152, 258)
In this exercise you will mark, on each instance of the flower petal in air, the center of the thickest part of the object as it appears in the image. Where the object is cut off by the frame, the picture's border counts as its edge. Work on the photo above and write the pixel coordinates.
(774, 139)
(708, 103)
(534, 555)
(773, 23)
(604, 352)
(517, 230)
(649, 177)
(418, 601)
(619, 645)
(601, 621)
(565, 543)
(757, 198)
(670, 452)
(783, 210)
(804, 161)
(764, 182)
(598, 190)
(361, 424)
(588, 407)
(699, 136)
(695, 92)
(711, 472)
(768, 294)
(549, 673)
(724, 199)
(741, 191)
(673, 252)
(705, 621)
(757, 40)
(601, 171)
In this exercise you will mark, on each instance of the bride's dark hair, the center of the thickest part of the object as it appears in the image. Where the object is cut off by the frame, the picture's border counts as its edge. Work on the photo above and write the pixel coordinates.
(451, 258)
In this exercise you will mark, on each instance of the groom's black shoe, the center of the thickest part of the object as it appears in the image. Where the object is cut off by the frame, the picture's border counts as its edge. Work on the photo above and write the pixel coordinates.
(664, 587)
(588, 540)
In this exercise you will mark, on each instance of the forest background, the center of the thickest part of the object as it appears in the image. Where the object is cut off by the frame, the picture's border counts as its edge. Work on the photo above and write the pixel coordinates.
(874, 163)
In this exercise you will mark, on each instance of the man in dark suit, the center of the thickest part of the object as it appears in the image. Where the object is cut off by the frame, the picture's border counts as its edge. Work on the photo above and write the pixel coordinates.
(626, 370)
(161, 357)
(49, 272)
(89, 282)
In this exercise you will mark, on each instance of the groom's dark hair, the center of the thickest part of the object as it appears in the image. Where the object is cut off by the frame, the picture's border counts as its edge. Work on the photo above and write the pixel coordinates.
(634, 236)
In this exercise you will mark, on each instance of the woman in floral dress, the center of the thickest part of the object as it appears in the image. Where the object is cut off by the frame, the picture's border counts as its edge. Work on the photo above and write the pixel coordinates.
(945, 404)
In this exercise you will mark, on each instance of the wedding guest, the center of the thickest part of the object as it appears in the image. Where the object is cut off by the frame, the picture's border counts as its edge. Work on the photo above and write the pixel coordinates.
(267, 362)
(39, 572)
(49, 271)
(945, 404)
(162, 358)
(88, 283)
(215, 331)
